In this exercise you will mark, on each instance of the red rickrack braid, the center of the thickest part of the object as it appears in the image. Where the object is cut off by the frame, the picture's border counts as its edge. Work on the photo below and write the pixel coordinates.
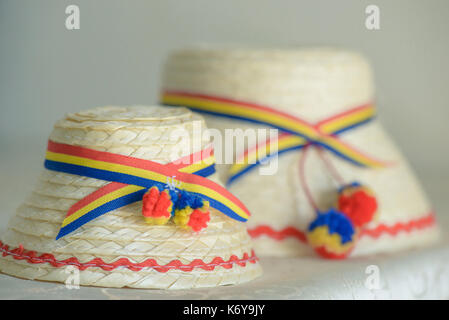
(32, 257)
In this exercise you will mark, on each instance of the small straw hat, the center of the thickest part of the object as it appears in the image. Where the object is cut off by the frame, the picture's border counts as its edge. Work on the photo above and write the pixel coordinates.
(118, 248)
(342, 187)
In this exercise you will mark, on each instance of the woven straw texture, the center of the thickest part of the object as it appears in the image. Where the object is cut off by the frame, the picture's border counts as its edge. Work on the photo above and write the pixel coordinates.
(313, 84)
(141, 132)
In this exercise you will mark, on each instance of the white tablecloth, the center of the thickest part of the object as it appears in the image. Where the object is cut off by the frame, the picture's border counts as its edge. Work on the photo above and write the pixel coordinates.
(418, 274)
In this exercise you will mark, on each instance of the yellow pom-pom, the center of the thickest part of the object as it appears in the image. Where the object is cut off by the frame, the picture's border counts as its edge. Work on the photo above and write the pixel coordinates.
(156, 221)
(182, 216)
(332, 235)
(192, 212)
(195, 219)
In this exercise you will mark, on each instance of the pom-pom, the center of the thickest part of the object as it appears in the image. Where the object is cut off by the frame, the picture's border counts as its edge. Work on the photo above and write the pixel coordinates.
(358, 203)
(158, 207)
(192, 212)
(186, 200)
(149, 201)
(199, 218)
(332, 235)
(189, 210)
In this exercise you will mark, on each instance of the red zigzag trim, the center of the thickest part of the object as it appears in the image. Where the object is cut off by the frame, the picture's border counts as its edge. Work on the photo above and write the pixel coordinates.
(31, 257)
(292, 232)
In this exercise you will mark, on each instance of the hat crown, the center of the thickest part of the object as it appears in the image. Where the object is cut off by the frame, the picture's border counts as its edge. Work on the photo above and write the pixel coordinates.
(154, 133)
(305, 82)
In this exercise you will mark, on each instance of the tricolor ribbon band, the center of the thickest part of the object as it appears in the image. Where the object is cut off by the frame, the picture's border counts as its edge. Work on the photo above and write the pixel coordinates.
(286, 141)
(131, 177)
(295, 132)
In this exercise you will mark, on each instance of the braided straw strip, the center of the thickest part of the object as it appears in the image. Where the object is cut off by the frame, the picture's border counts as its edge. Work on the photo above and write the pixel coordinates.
(33, 257)
(172, 279)
(122, 235)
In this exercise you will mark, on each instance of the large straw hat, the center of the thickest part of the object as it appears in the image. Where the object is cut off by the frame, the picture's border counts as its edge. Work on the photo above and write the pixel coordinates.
(309, 85)
(119, 249)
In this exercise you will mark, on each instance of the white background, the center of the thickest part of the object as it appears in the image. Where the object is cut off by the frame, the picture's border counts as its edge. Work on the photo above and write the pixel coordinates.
(116, 57)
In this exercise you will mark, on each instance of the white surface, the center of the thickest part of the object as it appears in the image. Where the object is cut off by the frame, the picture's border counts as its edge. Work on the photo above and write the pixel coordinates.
(420, 274)
(412, 275)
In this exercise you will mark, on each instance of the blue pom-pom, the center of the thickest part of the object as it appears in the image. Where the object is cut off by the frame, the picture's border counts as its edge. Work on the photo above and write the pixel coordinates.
(174, 198)
(197, 202)
(187, 199)
(336, 222)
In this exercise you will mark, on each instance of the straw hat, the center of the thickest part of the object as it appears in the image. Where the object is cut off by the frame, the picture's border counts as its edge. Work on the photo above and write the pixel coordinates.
(311, 87)
(119, 249)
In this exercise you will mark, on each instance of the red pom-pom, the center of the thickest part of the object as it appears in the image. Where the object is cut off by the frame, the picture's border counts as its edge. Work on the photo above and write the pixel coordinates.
(164, 205)
(198, 220)
(157, 206)
(149, 201)
(358, 204)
